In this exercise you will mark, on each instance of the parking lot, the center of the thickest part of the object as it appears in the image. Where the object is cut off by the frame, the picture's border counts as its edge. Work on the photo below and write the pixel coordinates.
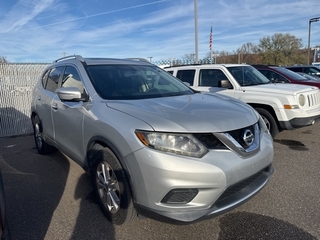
(50, 197)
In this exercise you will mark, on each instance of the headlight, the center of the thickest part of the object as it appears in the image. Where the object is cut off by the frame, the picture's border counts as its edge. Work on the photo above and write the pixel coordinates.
(183, 144)
(262, 125)
(302, 99)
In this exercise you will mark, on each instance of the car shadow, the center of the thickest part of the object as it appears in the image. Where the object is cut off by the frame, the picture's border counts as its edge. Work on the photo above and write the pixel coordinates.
(33, 187)
(48, 194)
(245, 225)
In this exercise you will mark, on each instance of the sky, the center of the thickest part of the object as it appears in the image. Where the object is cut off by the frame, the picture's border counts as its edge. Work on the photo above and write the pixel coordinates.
(40, 31)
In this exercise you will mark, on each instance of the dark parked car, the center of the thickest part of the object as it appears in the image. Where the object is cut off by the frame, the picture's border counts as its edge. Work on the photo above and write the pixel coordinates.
(283, 75)
(308, 69)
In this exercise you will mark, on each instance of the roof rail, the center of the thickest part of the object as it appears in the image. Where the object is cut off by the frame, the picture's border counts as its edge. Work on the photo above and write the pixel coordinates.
(78, 57)
(139, 59)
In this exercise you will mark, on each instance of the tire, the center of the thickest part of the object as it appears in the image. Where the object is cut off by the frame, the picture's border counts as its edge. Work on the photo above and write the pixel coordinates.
(42, 146)
(112, 188)
(269, 121)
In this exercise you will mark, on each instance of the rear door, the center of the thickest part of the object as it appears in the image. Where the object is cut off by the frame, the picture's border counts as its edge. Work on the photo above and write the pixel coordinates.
(45, 97)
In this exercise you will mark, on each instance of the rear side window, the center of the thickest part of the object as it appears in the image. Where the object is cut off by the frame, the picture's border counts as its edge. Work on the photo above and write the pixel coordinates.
(186, 76)
(45, 78)
(296, 69)
(53, 79)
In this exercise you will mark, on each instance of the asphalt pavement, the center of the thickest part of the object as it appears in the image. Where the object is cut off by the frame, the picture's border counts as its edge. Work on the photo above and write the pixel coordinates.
(50, 197)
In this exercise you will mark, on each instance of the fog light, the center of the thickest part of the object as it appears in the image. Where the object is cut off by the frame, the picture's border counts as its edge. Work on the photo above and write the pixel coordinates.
(180, 196)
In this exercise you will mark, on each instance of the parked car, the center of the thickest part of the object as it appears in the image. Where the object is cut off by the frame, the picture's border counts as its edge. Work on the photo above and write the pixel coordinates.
(283, 75)
(282, 106)
(152, 145)
(309, 69)
(317, 64)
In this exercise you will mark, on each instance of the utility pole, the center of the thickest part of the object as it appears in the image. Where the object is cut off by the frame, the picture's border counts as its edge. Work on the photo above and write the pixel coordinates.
(196, 29)
(316, 19)
(150, 59)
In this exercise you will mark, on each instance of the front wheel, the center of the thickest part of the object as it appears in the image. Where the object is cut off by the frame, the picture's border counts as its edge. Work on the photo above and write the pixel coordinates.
(112, 188)
(269, 121)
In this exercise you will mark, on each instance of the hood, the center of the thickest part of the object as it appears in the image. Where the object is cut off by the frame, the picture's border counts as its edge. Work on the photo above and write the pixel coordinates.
(189, 113)
(280, 88)
(310, 82)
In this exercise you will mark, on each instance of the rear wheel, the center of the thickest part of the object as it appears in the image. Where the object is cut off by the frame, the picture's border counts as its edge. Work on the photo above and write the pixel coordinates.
(42, 146)
(112, 188)
(269, 121)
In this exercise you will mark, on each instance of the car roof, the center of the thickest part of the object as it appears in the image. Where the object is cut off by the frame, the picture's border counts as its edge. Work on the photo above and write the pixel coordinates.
(297, 66)
(97, 61)
(206, 65)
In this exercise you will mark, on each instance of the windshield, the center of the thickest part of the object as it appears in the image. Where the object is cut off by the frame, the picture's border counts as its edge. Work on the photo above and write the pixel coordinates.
(134, 82)
(248, 76)
(292, 75)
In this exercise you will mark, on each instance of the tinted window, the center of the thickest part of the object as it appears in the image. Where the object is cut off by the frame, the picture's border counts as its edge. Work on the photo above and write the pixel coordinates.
(273, 76)
(71, 78)
(296, 69)
(247, 75)
(291, 74)
(53, 79)
(45, 78)
(211, 77)
(186, 76)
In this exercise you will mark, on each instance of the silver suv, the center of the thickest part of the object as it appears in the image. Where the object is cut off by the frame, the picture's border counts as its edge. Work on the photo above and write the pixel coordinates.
(153, 146)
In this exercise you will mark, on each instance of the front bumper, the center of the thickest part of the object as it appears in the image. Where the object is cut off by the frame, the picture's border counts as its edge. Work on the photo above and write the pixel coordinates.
(299, 122)
(232, 197)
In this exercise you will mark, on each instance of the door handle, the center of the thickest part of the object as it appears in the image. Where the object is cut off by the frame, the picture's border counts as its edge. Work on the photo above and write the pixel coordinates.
(55, 106)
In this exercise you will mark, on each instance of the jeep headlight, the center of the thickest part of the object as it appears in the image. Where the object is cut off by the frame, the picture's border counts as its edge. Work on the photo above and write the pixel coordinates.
(178, 143)
(302, 100)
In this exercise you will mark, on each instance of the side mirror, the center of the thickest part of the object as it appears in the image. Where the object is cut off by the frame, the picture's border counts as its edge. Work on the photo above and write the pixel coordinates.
(225, 84)
(72, 94)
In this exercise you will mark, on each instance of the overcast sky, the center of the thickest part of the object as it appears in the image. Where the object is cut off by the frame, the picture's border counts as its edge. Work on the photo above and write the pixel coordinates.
(44, 30)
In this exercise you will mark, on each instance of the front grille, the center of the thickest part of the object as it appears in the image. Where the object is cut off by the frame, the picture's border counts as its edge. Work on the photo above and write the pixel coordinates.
(314, 99)
(239, 186)
(210, 141)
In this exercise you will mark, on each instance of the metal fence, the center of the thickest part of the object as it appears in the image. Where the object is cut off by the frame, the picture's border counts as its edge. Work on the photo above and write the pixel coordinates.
(16, 83)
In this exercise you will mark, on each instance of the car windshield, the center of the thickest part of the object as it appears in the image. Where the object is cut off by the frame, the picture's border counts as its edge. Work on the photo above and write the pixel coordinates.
(292, 75)
(248, 76)
(307, 76)
(134, 82)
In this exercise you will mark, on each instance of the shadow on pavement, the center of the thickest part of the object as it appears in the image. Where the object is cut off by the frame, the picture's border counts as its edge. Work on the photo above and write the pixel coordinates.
(33, 186)
(245, 225)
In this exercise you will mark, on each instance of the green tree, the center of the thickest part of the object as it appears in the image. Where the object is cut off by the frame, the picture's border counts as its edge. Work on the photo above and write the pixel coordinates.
(280, 49)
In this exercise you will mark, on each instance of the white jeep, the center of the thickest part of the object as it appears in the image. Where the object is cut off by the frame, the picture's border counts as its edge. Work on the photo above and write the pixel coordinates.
(281, 105)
